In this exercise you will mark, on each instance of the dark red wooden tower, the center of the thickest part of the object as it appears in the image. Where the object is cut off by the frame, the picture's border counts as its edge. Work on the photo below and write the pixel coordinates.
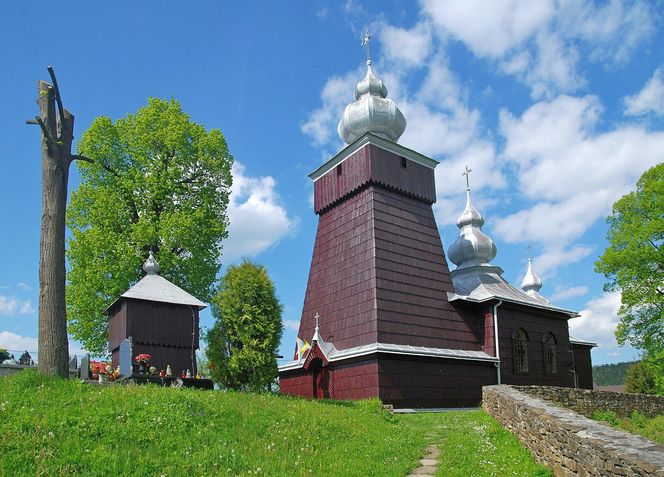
(382, 309)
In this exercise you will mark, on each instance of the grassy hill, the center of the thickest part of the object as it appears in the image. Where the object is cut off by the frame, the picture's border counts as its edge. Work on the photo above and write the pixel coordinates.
(57, 427)
(611, 374)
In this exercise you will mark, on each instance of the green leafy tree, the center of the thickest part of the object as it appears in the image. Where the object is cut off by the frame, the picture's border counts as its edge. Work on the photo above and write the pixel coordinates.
(242, 344)
(156, 181)
(4, 354)
(640, 379)
(633, 263)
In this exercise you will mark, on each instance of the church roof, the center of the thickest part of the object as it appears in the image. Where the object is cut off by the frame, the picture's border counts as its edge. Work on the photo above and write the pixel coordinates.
(333, 354)
(484, 283)
(154, 287)
(475, 279)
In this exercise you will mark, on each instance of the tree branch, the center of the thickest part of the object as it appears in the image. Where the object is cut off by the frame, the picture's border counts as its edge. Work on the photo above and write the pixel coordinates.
(50, 142)
(58, 99)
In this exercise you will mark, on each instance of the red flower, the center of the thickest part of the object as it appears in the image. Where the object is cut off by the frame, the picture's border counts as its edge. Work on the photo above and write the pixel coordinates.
(143, 358)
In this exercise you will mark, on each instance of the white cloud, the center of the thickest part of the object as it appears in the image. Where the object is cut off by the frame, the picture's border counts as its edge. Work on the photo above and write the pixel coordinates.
(570, 173)
(12, 341)
(410, 47)
(555, 257)
(541, 42)
(562, 293)
(257, 220)
(292, 324)
(24, 286)
(14, 306)
(489, 29)
(598, 322)
(650, 98)
(321, 125)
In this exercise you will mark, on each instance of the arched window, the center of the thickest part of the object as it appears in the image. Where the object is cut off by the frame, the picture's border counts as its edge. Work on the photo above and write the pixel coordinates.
(520, 351)
(550, 354)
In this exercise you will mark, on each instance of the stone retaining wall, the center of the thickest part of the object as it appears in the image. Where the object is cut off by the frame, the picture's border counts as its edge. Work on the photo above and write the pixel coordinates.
(569, 443)
(586, 401)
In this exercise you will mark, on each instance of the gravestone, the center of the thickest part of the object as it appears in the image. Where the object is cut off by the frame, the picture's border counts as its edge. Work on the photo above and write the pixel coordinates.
(85, 367)
(125, 357)
(73, 363)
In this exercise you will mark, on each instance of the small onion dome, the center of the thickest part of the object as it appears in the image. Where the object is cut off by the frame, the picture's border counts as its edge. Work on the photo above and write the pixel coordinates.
(371, 112)
(531, 283)
(472, 247)
(151, 267)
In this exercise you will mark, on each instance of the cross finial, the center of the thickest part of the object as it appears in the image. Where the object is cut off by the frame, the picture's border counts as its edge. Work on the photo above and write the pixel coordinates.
(316, 318)
(466, 173)
(365, 42)
(529, 256)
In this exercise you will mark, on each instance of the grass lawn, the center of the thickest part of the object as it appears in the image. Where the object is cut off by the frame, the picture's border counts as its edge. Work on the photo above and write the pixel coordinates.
(57, 427)
(650, 428)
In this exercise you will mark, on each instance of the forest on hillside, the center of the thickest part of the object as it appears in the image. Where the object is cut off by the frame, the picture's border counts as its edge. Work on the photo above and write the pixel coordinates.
(611, 374)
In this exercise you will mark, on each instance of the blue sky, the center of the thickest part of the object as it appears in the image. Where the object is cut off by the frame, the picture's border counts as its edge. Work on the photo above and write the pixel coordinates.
(557, 106)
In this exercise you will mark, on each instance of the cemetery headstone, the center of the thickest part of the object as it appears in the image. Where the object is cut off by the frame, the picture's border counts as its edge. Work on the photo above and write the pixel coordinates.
(73, 363)
(125, 357)
(85, 367)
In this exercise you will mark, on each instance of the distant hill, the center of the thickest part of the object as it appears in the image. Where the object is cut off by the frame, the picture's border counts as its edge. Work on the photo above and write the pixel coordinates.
(611, 374)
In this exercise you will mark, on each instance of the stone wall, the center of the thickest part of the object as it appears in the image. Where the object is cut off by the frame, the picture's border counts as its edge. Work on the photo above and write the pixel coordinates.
(9, 369)
(586, 402)
(569, 443)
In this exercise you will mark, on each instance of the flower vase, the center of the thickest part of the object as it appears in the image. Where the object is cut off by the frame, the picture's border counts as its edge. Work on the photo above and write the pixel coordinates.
(142, 368)
(103, 378)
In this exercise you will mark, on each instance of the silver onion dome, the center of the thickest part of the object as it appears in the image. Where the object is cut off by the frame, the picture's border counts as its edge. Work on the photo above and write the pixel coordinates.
(151, 267)
(371, 112)
(531, 283)
(472, 247)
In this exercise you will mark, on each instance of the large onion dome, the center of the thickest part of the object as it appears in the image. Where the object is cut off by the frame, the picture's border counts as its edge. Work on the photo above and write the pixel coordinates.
(472, 247)
(371, 112)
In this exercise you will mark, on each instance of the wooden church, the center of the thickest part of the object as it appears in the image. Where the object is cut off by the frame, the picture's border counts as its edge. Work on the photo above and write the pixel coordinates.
(160, 318)
(383, 314)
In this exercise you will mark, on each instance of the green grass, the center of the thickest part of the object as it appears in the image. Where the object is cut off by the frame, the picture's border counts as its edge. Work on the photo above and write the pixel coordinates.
(650, 428)
(57, 427)
(474, 444)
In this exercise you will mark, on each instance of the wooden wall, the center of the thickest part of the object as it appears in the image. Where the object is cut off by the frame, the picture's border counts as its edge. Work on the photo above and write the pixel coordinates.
(584, 366)
(536, 324)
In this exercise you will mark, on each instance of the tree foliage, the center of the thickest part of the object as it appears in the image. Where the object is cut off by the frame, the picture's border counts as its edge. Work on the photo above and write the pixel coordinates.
(633, 263)
(243, 343)
(640, 379)
(611, 374)
(158, 181)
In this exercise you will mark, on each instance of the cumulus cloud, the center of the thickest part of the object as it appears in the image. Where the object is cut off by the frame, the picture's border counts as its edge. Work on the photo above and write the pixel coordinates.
(540, 42)
(649, 99)
(14, 306)
(598, 322)
(563, 293)
(12, 341)
(410, 47)
(257, 219)
(569, 173)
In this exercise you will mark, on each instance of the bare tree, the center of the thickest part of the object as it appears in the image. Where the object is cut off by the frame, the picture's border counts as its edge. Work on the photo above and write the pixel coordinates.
(57, 136)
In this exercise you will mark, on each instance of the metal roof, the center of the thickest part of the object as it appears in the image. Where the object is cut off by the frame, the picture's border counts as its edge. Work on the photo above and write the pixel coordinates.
(334, 354)
(484, 283)
(156, 288)
(578, 341)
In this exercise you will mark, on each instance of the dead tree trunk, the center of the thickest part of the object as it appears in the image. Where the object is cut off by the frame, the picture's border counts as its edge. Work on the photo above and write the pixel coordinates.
(57, 136)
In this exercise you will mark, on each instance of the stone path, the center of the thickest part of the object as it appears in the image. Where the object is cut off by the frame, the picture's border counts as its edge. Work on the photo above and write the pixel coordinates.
(428, 464)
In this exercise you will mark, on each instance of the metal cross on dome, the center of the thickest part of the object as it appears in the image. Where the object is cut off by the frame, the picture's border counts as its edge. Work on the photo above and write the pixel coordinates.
(466, 173)
(365, 42)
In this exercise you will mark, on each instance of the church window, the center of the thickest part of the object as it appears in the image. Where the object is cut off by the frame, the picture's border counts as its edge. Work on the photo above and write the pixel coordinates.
(550, 354)
(520, 351)
(404, 162)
